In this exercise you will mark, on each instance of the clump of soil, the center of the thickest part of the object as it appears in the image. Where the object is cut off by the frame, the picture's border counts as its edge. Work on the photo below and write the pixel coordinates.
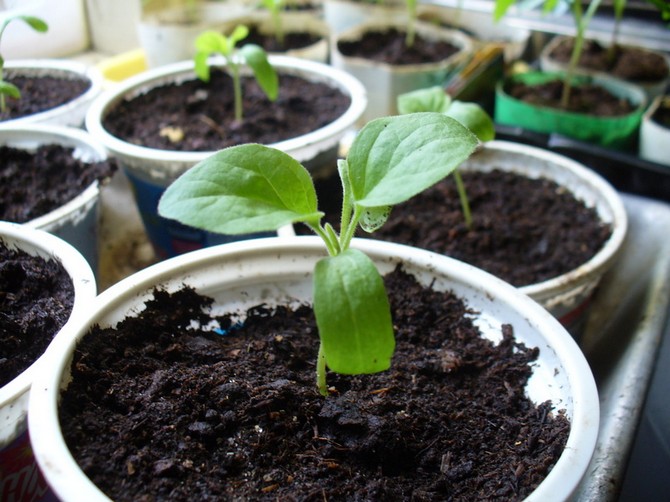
(524, 230)
(160, 410)
(39, 94)
(628, 63)
(36, 299)
(389, 47)
(34, 183)
(587, 98)
(198, 116)
(292, 40)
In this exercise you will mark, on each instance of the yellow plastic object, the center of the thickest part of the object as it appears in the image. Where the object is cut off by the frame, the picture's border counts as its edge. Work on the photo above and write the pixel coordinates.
(118, 68)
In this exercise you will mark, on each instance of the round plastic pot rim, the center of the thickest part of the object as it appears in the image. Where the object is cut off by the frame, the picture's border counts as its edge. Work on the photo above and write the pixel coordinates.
(92, 73)
(639, 97)
(29, 135)
(458, 38)
(608, 253)
(64, 475)
(300, 146)
(42, 243)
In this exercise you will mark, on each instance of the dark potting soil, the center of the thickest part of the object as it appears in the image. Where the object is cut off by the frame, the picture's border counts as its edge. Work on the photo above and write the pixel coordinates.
(627, 63)
(524, 230)
(389, 47)
(39, 94)
(295, 40)
(198, 116)
(33, 183)
(589, 98)
(159, 411)
(36, 299)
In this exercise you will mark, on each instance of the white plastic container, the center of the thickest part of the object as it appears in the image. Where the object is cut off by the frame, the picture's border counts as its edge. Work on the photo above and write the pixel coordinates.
(77, 220)
(71, 113)
(276, 270)
(20, 478)
(150, 171)
(654, 137)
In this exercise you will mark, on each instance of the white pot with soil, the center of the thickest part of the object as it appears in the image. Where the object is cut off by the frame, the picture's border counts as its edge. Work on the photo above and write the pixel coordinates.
(655, 131)
(21, 479)
(76, 220)
(297, 25)
(151, 170)
(385, 81)
(241, 275)
(56, 103)
(629, 63)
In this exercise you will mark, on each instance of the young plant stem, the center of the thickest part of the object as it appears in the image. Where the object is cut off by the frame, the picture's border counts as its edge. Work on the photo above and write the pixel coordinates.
(279, 29)
(581, 21)
(321, 383)
(463, 196)
(411, 21)
(237, 90)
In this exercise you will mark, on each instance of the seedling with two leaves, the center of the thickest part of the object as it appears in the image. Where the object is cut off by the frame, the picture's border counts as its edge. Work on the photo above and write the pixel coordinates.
(214, 43)
(254, 188)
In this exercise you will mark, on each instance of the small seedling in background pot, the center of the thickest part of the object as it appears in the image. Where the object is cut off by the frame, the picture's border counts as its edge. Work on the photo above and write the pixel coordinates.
(254, 188)
(410, 35)
(214, 43)
(275, 7)
(471, 115)
(7, 89)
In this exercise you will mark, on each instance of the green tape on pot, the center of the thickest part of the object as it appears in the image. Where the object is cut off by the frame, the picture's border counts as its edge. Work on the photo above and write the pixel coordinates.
(615, 132)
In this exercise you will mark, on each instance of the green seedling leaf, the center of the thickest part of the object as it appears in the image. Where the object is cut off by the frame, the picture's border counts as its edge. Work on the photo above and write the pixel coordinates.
(265, 74)
(10, 90)
(394, 158)
(431, 99)
(473, 116)
(242, 189)
(373, 218)
(353, 314)
(501, 7)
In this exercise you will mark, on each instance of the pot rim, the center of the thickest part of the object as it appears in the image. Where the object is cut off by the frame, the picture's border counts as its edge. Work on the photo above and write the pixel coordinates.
(65, 476)
(41, 243)
(92, 73)
(609, 201)
(29, 136)
(302, 147)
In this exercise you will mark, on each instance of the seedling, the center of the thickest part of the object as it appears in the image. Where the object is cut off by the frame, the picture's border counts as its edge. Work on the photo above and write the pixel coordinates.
(411, 22)
(213, 42)
(7, 89)
(254, 188)
(275, 7)
(471, 115)
(581, 20)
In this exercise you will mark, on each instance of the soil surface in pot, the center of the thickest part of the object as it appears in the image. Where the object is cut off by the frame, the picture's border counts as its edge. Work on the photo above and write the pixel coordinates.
(198, 116)
(524, 230)
(36, 299)
(591, 99)
(292, 40)
(389, 47)
(627, 63)
(157, 410)
(39, 94)
(34, 183)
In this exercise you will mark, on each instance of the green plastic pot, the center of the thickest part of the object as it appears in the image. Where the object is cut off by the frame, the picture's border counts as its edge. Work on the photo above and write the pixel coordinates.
(614, 132)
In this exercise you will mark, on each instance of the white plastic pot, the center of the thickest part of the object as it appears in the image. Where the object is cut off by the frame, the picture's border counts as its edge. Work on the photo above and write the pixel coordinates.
(20, 478)
(151, 171)
(385, 82)
(655, 137)
(292, 22)
(76, 221)
(567, 296)
(278, 270)
(68, 114)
